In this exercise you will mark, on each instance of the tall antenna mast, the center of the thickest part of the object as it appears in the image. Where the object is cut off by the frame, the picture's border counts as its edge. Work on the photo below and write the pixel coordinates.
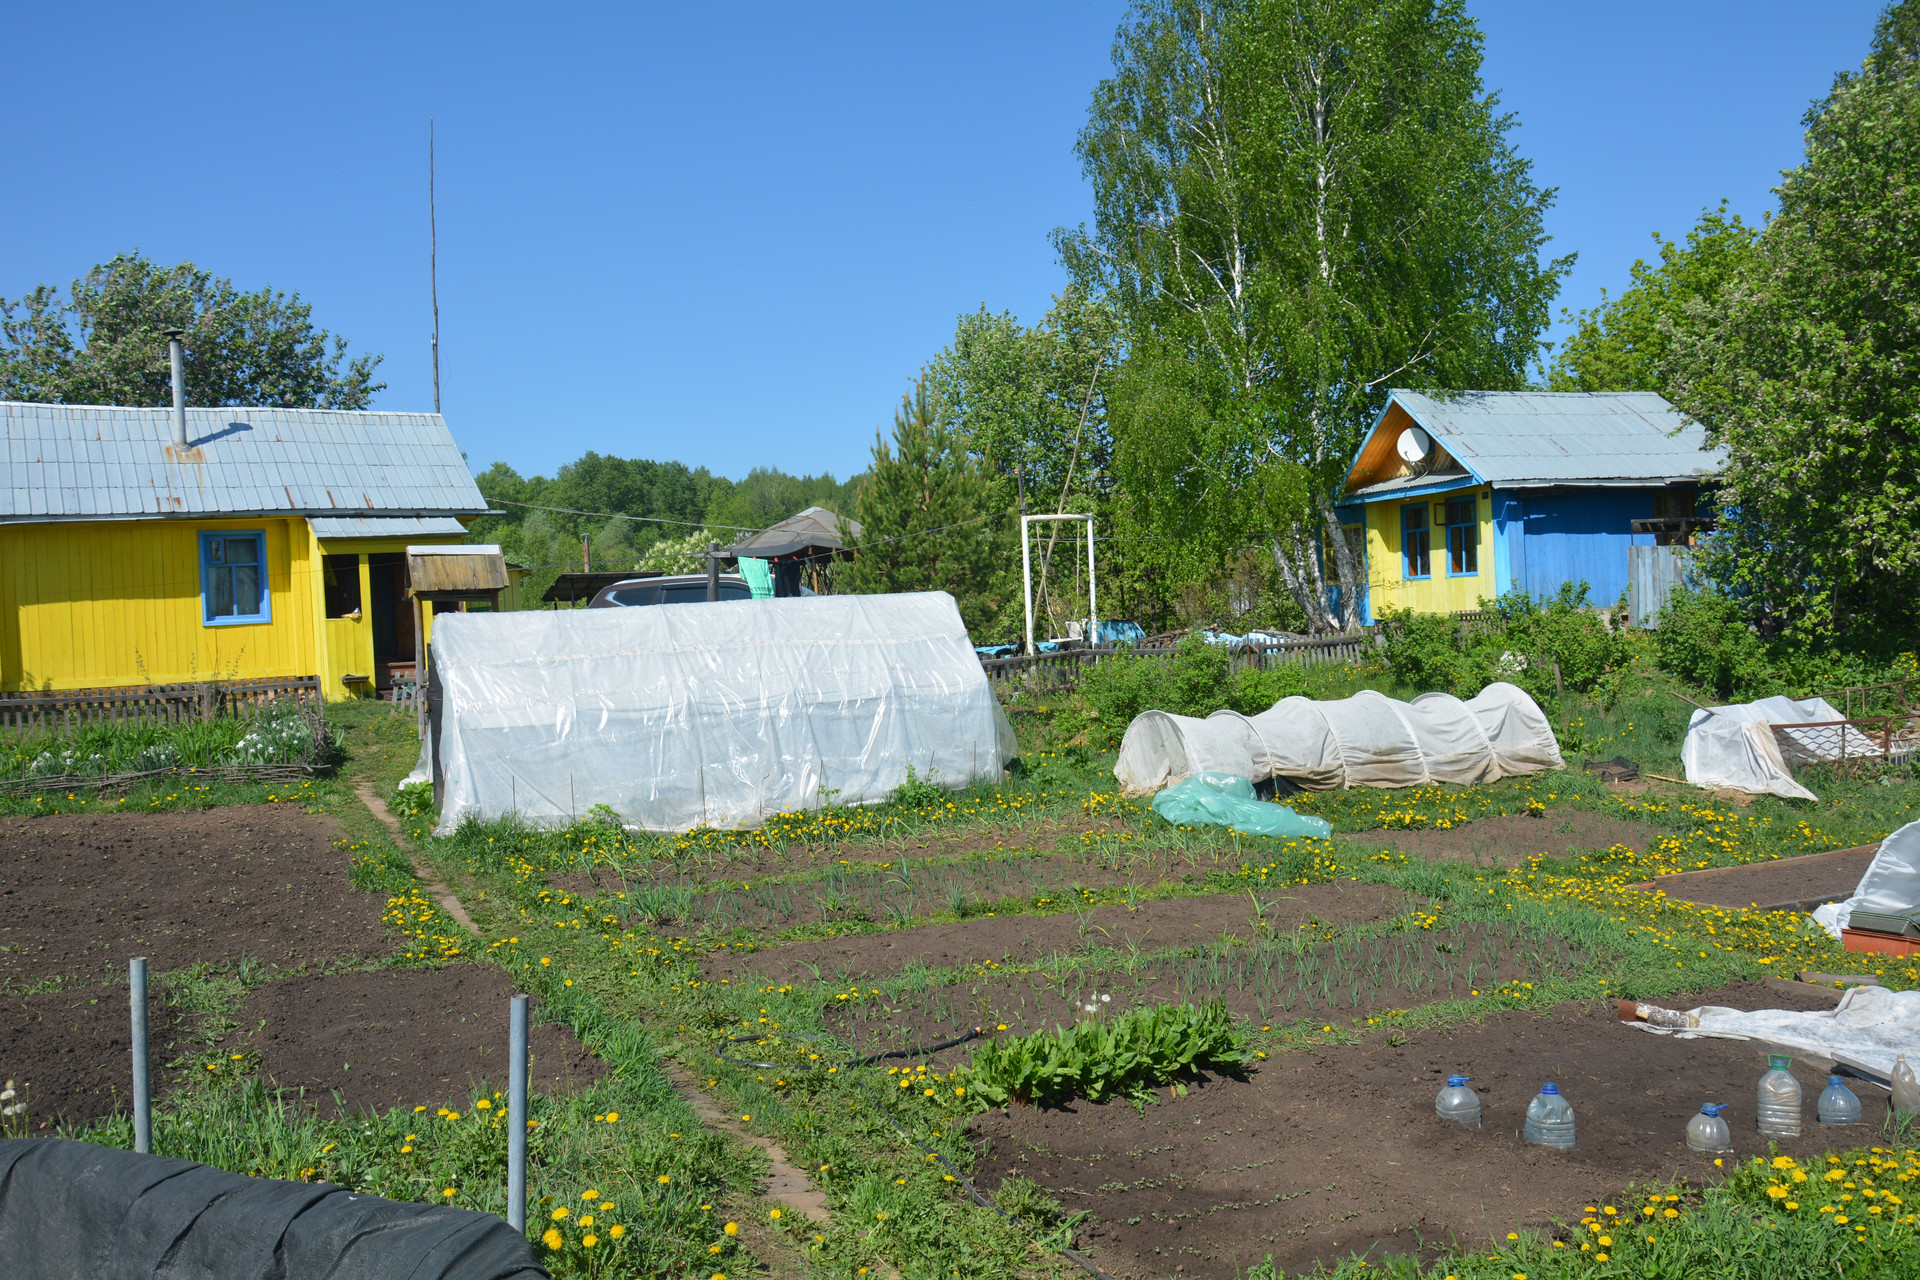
(433, 266)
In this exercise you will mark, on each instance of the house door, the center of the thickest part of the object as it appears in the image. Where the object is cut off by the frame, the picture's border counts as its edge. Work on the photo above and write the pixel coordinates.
(391, 614)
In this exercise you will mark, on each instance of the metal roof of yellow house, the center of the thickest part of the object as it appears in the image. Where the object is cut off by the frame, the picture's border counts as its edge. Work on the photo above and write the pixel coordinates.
(89, 462)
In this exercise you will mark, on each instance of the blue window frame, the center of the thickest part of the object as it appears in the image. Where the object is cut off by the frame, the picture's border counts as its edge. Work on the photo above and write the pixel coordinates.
(1416, 542)
(1463, 537)
(233, 577)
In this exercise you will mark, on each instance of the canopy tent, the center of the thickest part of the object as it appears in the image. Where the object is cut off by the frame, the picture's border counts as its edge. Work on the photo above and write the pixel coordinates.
(722, 715)
(1368, 740)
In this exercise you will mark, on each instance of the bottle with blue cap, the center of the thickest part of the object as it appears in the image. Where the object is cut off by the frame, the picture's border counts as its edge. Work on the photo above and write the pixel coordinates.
(1550, 1119)
(1707, 1131)
(1838, 1104)
(1458, 1103)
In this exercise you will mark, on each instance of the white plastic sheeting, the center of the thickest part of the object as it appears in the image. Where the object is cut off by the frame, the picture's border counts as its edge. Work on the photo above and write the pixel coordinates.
(1368, 740)
(1891, 883)
(679, 716)
(1735, 747)
(1870, 1029)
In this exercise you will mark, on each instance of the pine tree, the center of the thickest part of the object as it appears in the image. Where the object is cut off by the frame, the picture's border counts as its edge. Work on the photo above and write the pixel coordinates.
(931, 519)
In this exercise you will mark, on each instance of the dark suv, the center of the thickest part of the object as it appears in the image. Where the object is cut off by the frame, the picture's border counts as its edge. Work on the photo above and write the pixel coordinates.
(686, 588)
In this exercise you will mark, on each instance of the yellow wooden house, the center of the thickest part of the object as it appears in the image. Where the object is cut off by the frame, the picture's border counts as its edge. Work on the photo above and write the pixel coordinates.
(253, 543)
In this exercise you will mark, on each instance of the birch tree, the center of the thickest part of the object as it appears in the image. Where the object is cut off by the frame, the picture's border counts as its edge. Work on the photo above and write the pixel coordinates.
(1299, 204)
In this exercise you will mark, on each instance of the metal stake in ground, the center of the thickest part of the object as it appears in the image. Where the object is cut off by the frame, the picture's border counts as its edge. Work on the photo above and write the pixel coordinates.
(142, 1089)
(517, 1115)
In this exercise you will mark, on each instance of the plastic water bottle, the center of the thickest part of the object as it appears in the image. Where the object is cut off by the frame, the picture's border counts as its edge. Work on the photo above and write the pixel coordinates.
(1779, 1099)
(1550, 1119)
(1707, 1131)
(1458, 1103)
(1906, 1088)
(1838, 1104)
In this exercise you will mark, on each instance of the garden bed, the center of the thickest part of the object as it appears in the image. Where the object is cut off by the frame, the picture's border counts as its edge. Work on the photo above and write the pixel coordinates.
(1153, 925)
(82, 894)
(1273, 981)
(1794, 883)
(353, 1042)
(1507, 840)
(71, 1049)
(1316, 1155)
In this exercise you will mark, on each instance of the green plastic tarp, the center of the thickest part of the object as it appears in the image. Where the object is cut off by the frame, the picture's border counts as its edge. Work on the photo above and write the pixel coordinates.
(1227, 800)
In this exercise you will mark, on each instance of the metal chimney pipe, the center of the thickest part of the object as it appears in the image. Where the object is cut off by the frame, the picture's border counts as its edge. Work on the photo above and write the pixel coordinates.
(177, 355)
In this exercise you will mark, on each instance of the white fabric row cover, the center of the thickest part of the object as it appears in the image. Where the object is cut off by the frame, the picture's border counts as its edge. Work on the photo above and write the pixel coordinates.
(1368, 740)
(1870, 1029)
(1735, 747)
(709, 714)
(1891, 886)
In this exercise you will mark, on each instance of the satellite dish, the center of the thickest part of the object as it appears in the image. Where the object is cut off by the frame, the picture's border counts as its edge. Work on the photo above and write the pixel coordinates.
(1415, 445)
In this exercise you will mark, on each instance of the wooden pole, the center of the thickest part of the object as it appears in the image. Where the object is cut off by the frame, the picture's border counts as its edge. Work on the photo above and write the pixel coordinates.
(433, 266)
(420, 663)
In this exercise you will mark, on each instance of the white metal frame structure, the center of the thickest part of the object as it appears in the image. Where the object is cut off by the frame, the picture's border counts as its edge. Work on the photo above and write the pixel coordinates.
(1026, 574)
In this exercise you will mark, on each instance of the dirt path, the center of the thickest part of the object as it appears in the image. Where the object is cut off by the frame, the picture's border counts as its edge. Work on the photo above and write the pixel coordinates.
(788, 1184)
(441, 894)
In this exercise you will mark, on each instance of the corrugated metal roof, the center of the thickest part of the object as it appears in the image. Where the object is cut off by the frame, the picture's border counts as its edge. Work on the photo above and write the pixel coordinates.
(77, 462)
(1522, 438)
(385, 526)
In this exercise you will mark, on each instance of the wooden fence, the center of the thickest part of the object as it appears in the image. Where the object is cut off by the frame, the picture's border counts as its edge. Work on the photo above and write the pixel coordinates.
(25, 714)
(1060, 671)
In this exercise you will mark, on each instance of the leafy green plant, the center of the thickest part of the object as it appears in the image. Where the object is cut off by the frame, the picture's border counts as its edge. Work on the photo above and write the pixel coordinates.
(1704, 639)
(918, 789)
(1421, 650)
(115, 747)
(1127, 1057)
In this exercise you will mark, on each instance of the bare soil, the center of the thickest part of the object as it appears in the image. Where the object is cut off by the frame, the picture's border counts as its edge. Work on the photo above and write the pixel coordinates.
(1507, 840)
(71, 1051)
(1314, 1156)
(80, 895)
(1168, 922)
(1808, 878)
(401, 1037)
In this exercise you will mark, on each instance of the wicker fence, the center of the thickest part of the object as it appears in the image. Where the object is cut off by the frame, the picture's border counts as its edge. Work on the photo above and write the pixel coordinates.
(1057, 672)
(24, 714)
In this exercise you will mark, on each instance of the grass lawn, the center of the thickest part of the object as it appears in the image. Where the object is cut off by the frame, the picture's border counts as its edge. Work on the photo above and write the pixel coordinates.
(756, 979)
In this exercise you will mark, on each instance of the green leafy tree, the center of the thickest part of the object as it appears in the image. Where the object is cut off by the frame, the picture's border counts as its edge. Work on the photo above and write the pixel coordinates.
(1031, 405)
(932, 518)
(1298, 205)
(1805, 370)
(1626, 343)
(105, 343)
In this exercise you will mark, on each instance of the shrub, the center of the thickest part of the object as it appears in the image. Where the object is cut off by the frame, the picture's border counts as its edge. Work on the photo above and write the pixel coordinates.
(1422, 650)
(1705, 640)
(1520, 642)
(1193, 682)
(1127, 1057)
(1254, 691)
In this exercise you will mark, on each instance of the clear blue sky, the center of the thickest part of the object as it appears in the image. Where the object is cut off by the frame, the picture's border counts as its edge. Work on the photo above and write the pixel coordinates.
(730, 233)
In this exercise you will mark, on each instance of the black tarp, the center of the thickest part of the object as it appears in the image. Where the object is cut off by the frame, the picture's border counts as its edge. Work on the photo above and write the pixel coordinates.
(75, 1210)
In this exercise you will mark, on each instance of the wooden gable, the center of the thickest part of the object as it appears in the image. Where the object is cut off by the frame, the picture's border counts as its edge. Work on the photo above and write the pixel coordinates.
(1379, 460)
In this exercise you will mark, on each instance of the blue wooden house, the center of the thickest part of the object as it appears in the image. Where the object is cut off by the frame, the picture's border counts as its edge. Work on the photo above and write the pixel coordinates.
(1486, 492)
